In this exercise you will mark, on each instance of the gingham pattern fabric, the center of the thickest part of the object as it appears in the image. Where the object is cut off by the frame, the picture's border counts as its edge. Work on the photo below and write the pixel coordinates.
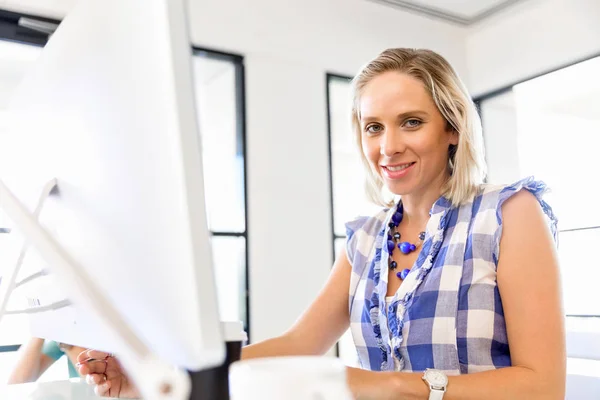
(447, 314)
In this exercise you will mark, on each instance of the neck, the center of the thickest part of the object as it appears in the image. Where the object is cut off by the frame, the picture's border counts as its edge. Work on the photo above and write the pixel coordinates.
(417, 205)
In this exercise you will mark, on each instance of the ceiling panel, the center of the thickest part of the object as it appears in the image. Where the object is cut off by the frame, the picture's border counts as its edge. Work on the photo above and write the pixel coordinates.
(464, 8)
(464, 12)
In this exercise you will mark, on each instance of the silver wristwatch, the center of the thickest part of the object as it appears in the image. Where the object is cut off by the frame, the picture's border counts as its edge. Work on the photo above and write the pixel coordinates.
(437, 382)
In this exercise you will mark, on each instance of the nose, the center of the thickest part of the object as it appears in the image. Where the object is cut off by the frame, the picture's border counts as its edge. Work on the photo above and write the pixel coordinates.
(391, 143)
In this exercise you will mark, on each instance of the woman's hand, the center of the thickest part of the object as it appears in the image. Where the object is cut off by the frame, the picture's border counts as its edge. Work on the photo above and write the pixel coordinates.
(106, 374)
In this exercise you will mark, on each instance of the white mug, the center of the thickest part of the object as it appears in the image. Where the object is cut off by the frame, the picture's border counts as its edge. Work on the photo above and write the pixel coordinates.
(289, 378)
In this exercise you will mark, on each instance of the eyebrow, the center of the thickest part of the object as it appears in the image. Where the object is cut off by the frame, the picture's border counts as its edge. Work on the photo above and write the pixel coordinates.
(403, 115)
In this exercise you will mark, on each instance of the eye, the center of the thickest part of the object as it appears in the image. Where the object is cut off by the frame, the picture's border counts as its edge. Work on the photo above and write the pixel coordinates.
(412, 123)
(373, 129)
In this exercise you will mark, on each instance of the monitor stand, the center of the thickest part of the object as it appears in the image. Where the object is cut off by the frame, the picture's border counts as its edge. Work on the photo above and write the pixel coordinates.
(213, 383)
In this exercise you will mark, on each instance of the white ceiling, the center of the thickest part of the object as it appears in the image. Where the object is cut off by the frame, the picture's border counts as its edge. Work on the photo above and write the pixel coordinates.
(56, 9)
(464, 12)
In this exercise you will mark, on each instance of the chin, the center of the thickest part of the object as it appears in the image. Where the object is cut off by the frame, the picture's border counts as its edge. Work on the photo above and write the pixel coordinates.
(399, 189)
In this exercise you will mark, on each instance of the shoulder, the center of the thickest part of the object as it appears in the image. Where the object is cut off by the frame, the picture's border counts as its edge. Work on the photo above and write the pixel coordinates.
(361, 234)
(524, 195)
(504, 192)
(519, 204)
(369, 225)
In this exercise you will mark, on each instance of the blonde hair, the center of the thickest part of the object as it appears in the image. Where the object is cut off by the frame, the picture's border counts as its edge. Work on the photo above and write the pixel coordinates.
(466, 160)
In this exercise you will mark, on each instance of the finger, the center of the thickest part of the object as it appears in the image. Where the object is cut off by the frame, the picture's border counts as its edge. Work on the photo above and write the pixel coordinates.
(103, 389)
(92, 368)
(83, 369)
(95, 379)
(92, 355)
(82, 356)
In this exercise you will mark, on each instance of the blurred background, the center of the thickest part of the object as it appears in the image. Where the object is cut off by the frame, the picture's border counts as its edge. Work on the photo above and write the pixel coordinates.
(282, 171)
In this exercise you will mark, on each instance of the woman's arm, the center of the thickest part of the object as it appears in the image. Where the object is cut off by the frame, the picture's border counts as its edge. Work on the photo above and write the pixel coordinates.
(31, 363)
(319, 327)
(529, 284)
(314, 333)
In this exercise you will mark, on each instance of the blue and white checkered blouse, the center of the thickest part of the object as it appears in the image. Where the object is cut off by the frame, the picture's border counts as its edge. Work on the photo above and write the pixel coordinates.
(447, 313)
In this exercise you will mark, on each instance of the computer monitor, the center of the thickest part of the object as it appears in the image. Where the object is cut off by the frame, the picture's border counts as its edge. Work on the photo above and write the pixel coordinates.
(109, 113)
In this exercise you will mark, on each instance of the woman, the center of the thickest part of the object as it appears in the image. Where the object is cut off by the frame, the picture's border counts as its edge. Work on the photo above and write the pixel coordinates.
(454, 287)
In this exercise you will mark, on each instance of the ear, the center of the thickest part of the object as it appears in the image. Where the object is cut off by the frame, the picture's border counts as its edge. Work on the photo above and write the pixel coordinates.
(453, 139)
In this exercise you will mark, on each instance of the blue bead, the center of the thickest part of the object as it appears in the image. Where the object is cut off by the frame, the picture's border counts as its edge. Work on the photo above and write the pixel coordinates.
(389, 237)
(399, 275)
(393, 265)
(422, 236)
(404, 273)
(392, 225)
(391, 246)
(396, 218)
(413, 247)
(404, 247)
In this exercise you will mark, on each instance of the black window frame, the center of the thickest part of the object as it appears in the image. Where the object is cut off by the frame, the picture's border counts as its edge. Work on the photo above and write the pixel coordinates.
(329, 77)
(241, 139)
(509, 88)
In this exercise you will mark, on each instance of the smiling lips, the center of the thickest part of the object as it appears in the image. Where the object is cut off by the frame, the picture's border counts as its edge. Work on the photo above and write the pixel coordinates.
(397, 171)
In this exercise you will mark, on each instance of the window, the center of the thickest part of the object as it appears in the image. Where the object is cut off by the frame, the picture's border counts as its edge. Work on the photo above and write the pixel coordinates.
(219, 87)
(347, 180)
(219, 80)
(549, 127)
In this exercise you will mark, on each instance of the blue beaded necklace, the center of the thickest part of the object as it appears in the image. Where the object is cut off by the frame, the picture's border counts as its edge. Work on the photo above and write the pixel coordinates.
(394, 241)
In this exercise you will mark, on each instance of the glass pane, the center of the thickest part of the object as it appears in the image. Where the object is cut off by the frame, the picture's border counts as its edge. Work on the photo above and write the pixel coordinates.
(222, 146)
(559, 133)
(580, 271)
(499, 119)
(549, 127)
(229, 255)
(349, 199)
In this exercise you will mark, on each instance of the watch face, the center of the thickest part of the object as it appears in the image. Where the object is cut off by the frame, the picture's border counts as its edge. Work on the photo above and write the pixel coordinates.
(436, 378)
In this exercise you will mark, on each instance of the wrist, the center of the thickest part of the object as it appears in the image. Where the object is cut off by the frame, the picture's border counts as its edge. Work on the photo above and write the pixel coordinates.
(64, 347)
(409, 386)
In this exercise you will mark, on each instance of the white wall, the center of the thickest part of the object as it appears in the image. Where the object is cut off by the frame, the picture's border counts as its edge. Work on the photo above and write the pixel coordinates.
(530, 39)
(288, 48)
(55, 9)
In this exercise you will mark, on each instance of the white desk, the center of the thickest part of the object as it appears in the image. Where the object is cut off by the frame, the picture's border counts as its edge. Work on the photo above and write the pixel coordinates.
(61, 390)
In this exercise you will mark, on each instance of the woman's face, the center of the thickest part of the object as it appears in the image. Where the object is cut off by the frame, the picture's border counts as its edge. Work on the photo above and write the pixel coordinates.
(404, 136)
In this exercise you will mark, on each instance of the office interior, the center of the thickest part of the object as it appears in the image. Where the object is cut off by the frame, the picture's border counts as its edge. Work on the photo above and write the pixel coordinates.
(272, 81)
